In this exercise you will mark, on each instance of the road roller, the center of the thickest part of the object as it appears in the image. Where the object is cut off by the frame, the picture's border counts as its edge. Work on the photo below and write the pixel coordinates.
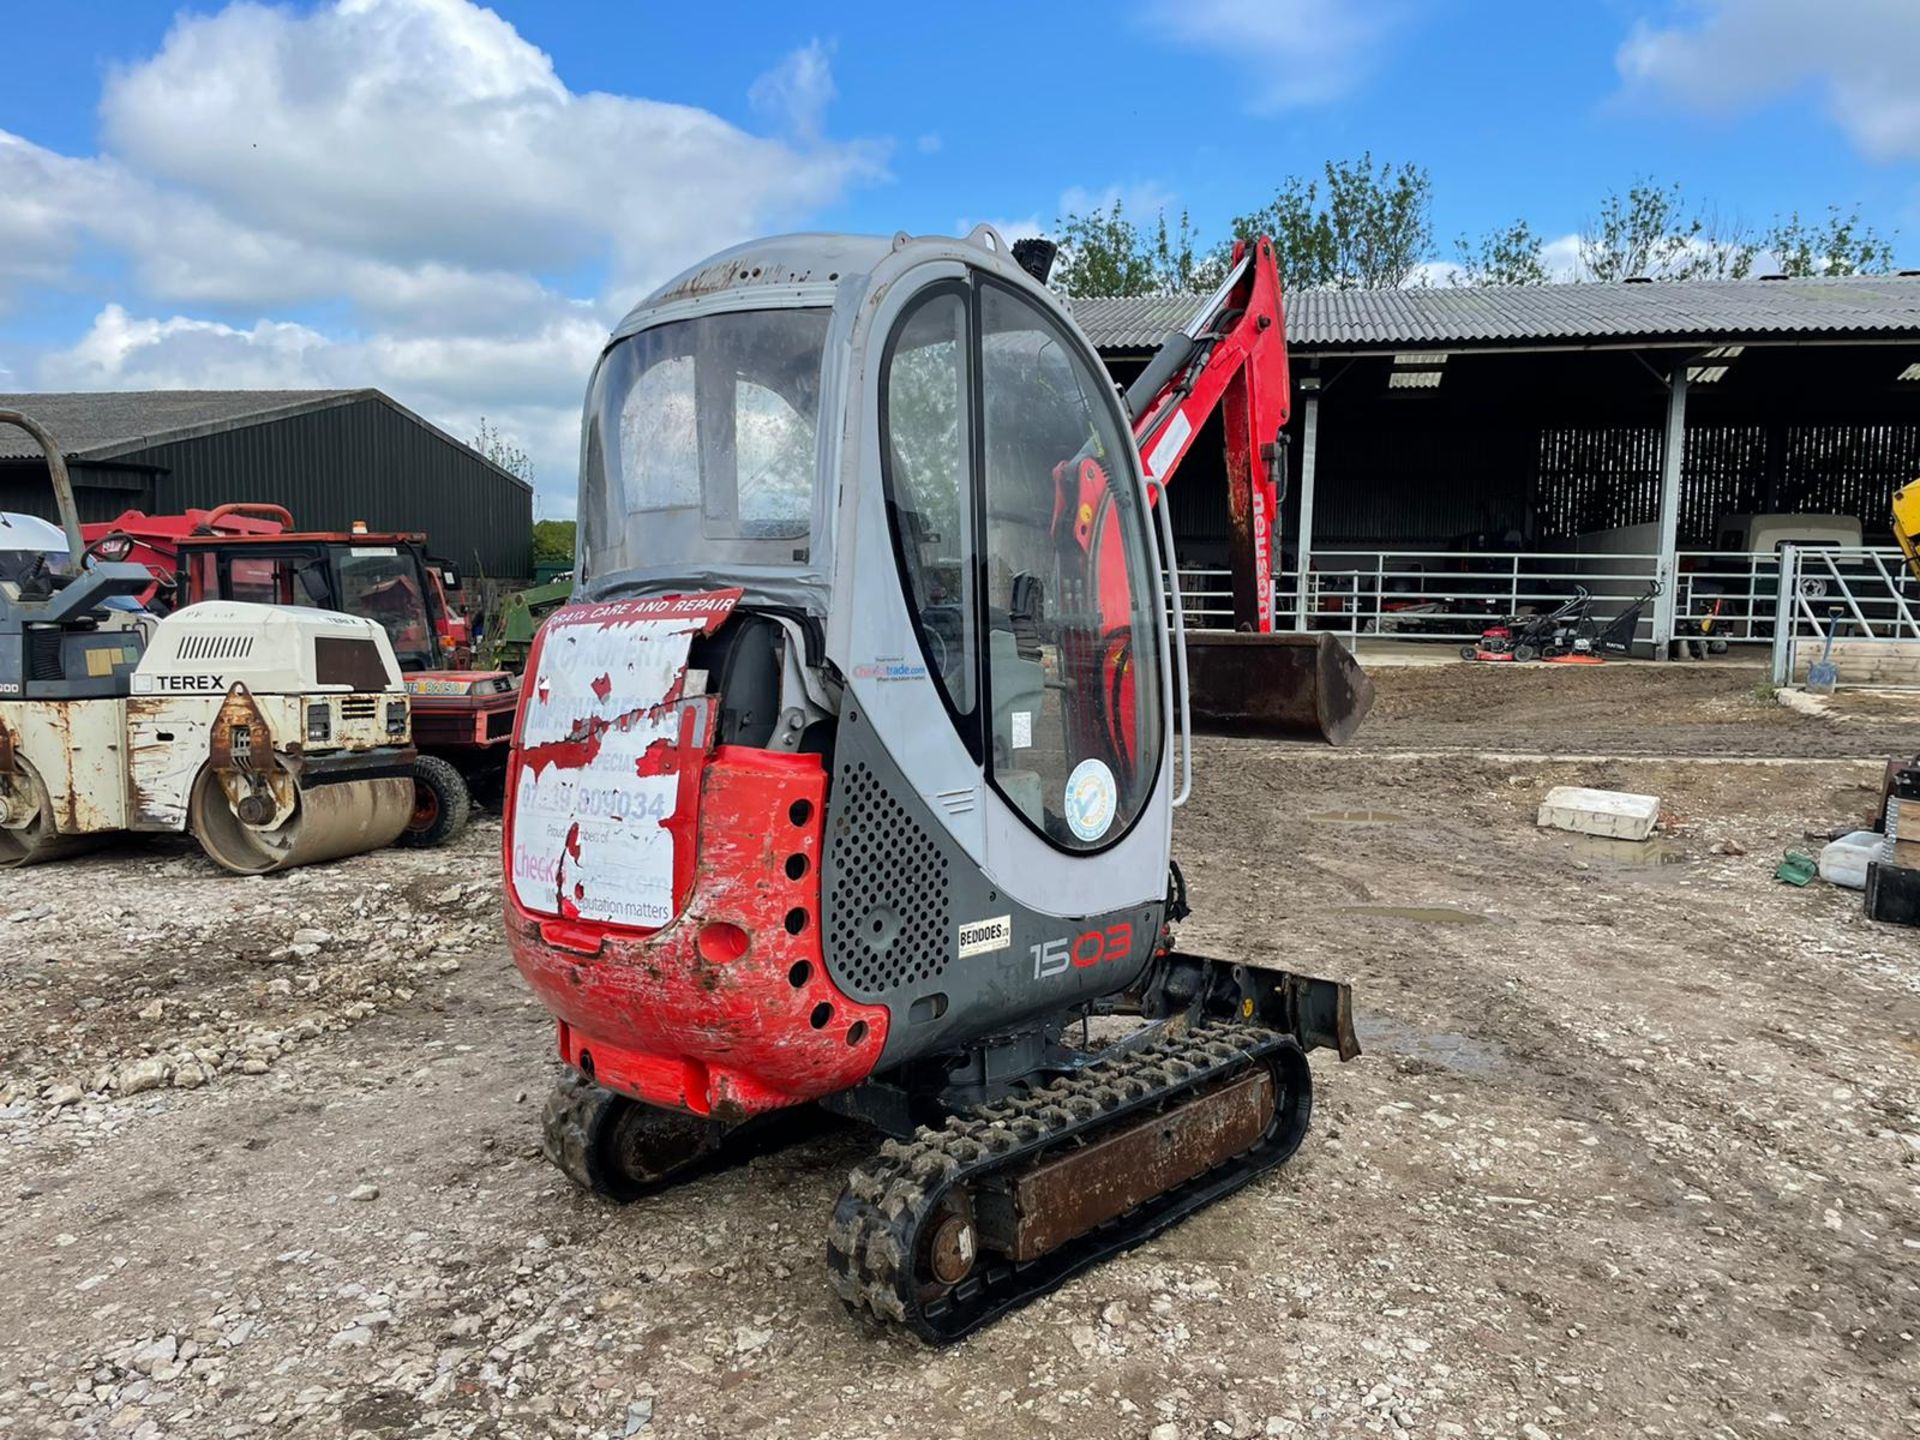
(278, 735)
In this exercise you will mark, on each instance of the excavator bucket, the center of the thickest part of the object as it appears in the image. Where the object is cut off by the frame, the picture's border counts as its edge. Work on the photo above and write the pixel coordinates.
(1285, 687)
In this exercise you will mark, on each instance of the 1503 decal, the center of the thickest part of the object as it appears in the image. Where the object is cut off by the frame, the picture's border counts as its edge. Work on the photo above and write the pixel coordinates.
(1083, 951)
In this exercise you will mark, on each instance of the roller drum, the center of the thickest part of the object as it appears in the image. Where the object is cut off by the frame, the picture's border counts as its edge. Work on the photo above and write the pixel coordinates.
(328, 822)
(35, 839)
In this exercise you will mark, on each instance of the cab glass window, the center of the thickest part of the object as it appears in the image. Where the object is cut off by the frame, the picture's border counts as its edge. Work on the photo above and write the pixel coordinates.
(700, 443)
(1072, 649)
(926, 447)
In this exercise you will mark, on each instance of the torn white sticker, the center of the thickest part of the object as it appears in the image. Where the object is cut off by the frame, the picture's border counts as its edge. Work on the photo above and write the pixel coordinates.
(1091, 801)
(1023, 729)
(977, 937)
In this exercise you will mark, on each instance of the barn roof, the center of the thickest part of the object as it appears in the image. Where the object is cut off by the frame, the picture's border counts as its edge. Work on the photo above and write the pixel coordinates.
(106, 424)
(1712, 312)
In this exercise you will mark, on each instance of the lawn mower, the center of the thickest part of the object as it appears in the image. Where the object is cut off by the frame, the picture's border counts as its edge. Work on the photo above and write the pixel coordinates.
(1536, 635)
(1565, 635)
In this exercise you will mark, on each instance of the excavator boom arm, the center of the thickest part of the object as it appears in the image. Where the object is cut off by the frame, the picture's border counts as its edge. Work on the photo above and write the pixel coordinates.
(1232, 355)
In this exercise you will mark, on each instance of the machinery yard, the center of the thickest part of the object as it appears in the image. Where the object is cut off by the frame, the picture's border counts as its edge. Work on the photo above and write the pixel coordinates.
(657, 785)
(1634, 1148)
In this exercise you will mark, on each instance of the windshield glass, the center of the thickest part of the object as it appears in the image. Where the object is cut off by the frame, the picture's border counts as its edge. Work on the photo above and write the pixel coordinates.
(26, 540)
(380, 583)
(700, 443)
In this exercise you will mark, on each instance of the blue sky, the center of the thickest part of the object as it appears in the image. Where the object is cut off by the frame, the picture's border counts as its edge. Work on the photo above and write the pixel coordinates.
(453, 204)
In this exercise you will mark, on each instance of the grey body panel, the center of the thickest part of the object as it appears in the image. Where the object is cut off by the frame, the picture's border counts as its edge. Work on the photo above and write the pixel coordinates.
(897, 891)
(44, 650)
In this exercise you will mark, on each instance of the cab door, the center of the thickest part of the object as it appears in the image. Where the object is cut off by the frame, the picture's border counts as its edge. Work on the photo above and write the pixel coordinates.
(1002, 762)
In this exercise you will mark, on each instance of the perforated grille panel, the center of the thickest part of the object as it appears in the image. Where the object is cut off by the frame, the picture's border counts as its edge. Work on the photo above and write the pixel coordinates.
(892, 913)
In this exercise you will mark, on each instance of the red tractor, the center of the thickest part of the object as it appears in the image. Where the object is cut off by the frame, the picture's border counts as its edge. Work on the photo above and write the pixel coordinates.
(462, 717)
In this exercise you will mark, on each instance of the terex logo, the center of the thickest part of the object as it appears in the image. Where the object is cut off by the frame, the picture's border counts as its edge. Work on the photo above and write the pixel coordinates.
(190, 684)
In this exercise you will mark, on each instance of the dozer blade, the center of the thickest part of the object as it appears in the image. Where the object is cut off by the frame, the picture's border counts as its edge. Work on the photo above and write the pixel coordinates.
(1285, 687)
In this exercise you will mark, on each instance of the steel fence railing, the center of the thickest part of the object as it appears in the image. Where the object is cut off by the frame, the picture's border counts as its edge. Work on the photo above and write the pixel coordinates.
(1452, 596)
(1867, 598)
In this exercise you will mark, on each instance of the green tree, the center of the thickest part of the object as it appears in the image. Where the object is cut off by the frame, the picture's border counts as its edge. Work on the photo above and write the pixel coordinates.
(1103, 253)
(1839, 245)
(504, 453)
(1508, 255)
(1367, 229)
(553, 542)
(1179, 266)
(1726, 250)
(1648, 233)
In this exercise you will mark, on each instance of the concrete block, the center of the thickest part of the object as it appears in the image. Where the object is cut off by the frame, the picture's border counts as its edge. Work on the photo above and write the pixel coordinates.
(1612, 813)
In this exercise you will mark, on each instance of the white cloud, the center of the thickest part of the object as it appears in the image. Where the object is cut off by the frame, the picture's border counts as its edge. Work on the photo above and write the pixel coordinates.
(797, 91)
(122, 352)
(929, 143)
(1561, 256)
(1434, 274)
(1296, 52)
(409, 169)
(1141, 201)
(417, 130)
(1860, 56)
(1024, 228)
(528, 386)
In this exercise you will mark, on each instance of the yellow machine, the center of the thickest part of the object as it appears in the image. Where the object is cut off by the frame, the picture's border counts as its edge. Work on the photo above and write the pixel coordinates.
(1906, 524)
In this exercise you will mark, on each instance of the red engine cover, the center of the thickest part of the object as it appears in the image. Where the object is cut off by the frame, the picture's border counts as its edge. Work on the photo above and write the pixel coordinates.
(663, 895)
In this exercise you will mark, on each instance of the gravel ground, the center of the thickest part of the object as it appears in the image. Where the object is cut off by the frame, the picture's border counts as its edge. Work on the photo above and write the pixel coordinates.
(1635, 1150)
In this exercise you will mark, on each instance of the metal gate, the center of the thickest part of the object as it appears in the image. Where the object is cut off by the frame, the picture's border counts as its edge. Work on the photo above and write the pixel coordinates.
(1865, 598)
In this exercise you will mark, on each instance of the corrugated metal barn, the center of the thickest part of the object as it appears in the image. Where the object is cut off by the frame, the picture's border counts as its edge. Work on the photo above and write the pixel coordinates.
(331, 457)
(1529, 419)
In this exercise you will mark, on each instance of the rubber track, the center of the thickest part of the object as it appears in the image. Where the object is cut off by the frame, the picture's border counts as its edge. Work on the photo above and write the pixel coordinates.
(567, 1127)
(879, 1222)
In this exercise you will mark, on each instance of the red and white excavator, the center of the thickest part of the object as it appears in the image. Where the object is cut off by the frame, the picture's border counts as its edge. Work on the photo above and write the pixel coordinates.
(848, 777)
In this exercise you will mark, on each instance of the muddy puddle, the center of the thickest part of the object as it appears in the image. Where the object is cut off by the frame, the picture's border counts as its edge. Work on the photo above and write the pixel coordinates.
(1424, 914)
(1597, 850)
(1381, 1035)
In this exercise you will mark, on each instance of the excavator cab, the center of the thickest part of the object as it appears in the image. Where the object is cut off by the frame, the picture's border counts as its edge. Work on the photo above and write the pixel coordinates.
(949, 610)
(849, 774)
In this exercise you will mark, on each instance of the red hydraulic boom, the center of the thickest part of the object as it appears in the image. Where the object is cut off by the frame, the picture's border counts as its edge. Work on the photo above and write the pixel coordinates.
(1233, 354)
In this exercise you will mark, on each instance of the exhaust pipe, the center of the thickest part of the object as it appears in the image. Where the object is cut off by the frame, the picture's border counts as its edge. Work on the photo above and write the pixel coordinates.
(1035, 256)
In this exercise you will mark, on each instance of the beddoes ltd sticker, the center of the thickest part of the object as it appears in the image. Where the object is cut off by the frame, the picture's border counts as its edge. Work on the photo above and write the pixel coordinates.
(977, 937)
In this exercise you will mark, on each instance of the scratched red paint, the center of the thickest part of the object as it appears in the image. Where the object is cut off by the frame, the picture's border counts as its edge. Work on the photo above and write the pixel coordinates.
(666, 1025)
(657, 759)
(662, 1022)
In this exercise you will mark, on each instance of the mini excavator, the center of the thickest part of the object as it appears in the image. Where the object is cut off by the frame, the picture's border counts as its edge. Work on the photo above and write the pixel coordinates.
(848, 777)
